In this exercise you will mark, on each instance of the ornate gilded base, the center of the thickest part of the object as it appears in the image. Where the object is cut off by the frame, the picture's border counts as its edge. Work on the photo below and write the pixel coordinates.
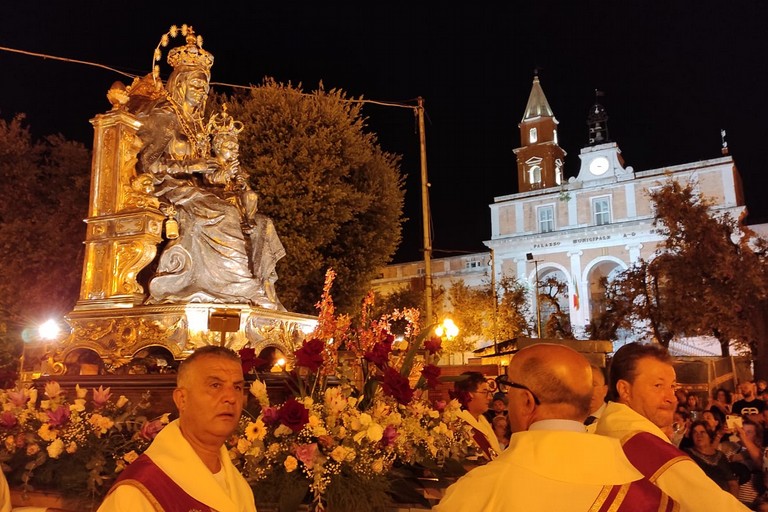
(117, 335)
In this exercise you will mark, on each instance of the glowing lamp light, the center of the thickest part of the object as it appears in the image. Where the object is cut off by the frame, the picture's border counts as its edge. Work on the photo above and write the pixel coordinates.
(281, 362)
(447, 329)
(49, 330)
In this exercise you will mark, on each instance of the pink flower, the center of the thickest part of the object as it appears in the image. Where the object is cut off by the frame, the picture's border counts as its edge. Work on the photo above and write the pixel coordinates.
(58, 417)
(433, 345)
(18, 398)
(150, 429)
(439, 405)
(310, 355)
(269, 415)
(306, 453)
(8, 420)
(101, 396)
(389, 436)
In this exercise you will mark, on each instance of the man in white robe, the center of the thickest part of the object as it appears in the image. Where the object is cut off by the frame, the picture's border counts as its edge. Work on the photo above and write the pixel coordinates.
(643, 384)
(552, 463)
(187, 466)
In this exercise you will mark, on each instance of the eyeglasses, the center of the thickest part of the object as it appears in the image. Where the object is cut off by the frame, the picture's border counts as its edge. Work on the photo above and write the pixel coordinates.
(487, 392)
(505, 383)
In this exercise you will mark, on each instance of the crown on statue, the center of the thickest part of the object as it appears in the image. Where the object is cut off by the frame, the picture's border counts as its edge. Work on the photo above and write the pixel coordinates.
(220, 124)
(190, 55)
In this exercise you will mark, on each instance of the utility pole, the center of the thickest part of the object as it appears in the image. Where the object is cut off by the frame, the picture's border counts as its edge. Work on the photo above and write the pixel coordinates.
(425, 214)
(529, 257)
(495, 304)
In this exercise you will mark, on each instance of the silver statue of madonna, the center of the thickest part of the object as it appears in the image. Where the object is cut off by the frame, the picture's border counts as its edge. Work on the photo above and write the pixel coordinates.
(226, 251)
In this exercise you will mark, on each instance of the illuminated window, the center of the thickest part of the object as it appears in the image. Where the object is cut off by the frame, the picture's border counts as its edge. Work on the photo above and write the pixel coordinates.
(546, 216)
(533, 136)
(534, 174)
(601, 210)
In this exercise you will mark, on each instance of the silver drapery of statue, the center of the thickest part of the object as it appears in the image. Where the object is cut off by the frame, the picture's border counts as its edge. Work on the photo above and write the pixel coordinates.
(225, 251)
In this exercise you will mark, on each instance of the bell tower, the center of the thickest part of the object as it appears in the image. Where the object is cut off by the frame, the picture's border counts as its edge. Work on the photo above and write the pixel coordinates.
(539, 158)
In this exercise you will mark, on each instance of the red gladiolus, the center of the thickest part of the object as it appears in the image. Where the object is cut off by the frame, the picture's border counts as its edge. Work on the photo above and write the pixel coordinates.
(396, 386)
(249, 360)
(379, 353)
(431, 373)
(433, 345)
(310, 355)
(293, 415)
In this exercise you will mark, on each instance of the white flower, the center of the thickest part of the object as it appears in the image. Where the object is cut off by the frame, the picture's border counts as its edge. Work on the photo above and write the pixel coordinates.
(290, 464)
(78, 405)
(80, 392)
(55, 448)
(259, 390)
(282, 430)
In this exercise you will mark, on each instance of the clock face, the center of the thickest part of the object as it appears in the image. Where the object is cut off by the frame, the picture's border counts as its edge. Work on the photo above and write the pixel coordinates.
(599, 165)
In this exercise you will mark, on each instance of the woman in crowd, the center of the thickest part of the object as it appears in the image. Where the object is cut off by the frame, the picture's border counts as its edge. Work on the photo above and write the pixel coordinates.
(501, 429)
(746, 448)
(721, 398)
(714, 462)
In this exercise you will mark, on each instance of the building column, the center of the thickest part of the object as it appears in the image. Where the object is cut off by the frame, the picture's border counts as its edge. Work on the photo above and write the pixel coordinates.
(634, 252)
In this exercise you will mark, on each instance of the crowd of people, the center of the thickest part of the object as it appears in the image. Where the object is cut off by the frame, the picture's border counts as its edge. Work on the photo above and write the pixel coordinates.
(557, 434)
(725, 438)
(631, 439)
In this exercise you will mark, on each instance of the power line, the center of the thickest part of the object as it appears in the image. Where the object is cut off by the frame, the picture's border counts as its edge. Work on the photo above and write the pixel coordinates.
(403, 104)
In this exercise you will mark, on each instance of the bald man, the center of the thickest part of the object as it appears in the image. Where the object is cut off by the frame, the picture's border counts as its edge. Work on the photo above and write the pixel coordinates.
(551, 462)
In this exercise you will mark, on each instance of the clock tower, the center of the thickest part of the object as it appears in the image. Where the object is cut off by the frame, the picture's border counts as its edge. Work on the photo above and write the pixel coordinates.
(539, 158)
(602, 157)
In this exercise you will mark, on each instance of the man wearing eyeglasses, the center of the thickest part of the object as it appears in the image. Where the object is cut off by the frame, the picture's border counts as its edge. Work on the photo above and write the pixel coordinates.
(640, 414)
(552, 463)
(474, 394)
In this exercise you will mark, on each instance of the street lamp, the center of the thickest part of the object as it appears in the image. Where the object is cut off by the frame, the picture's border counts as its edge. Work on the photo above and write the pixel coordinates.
(447, 328)
(529, 257)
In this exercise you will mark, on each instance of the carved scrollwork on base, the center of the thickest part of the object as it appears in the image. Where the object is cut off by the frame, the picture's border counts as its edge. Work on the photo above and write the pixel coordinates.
(118, 335)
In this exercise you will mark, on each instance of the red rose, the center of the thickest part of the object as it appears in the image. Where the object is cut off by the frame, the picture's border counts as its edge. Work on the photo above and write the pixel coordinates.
(249, 360)
(396, 386)
(433, 345)
(293, 415)
(431, 374)
(310, 355)
(379, 353)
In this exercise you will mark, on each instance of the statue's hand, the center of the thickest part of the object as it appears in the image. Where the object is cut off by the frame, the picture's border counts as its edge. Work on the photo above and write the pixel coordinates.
(202, 166)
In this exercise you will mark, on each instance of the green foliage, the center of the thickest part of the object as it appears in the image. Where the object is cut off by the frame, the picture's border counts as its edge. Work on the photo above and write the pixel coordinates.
(43, 200)
(335, 197)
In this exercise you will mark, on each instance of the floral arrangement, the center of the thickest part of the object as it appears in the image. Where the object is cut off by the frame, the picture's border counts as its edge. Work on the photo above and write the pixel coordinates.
(76, 446)
(358, 418)
(359, 412)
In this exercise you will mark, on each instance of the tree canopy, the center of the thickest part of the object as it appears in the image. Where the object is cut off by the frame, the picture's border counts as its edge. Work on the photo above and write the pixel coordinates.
(43, 201)
(709, 276)
(336, 198)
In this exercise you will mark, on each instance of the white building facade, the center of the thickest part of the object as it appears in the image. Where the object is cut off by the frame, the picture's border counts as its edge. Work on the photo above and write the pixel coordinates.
(579, 231)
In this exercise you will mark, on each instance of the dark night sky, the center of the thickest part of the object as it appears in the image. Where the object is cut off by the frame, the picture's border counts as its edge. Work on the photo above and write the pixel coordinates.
(674, 73)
